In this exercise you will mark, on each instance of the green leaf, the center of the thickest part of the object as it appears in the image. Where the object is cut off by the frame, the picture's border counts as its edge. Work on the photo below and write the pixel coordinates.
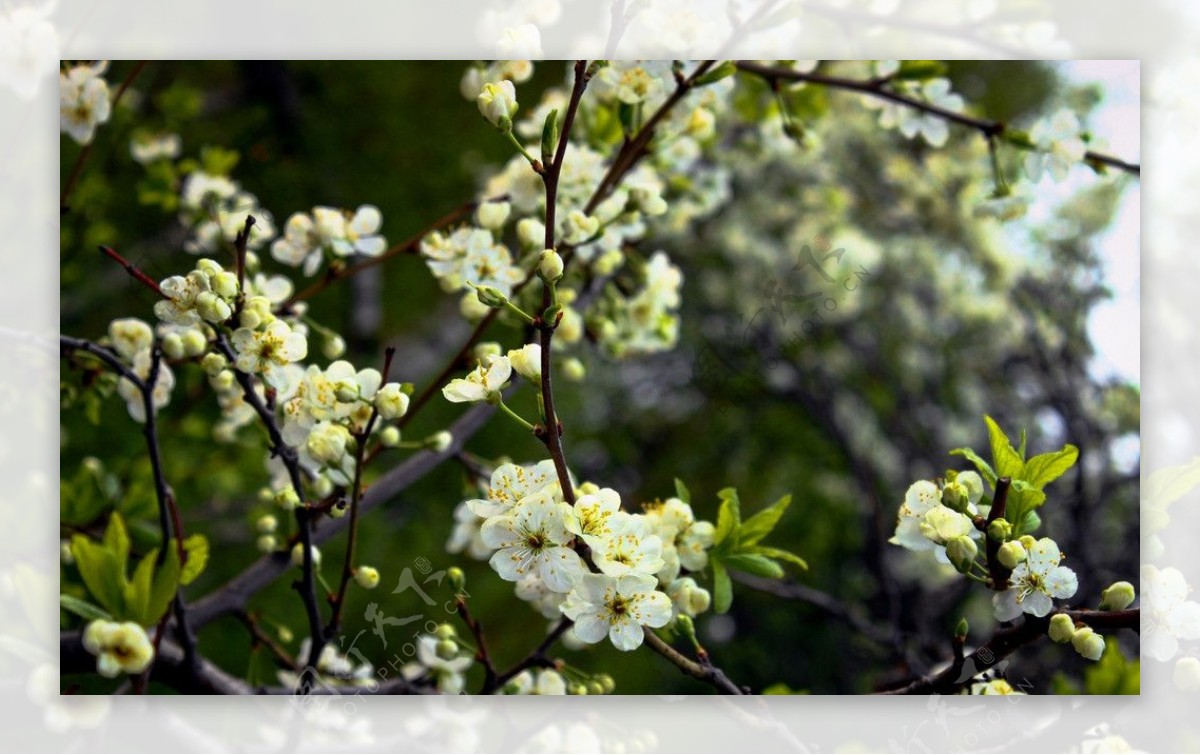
(1024, 441)
(682, 492)
(116, 541)
(984, 468)
(729, 516)
(1046, 468)
(163, 588)
(754, 563)
(1029, 524)
(760, 525)
(549, 137)
(137, 591)
(196, 548)
(1022, 500)
(82, 608)
(779, 554)
(1008, 463)
(101, 574)
(722, 587)
(722, 71)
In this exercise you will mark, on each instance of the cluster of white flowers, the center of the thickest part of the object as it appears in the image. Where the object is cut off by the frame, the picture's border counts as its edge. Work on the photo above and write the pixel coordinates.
(529, 533)
(326, 410)
(151, 148)
(940, 518)
(83, 100)
(1059, 146)
(133, 340)
(309, 237)
(334, 667)
(911, 122)
(440, 659)
(670, 189)
(215, 208)
(119, 647)
(648, 320)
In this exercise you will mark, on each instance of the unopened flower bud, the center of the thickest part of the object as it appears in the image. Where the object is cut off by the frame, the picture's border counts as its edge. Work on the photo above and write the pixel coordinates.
(322, 487)
(550, 268)
(999, 530)
(266, 524)
(446, 649)
(367, 577)
(439, 441)
(573, 370)
(212, 307)
(194, 343)
(493, 215)
(577, 688)
(457, 579)
(213, 363)
(490, 296)
(482, 351)
(961, 551)
(334, 346)
(498, 103)
(222, 381)
(266, 543)
(225, 284)
(338, 510)
(390, 436)
(531, 233)
(347, 390)
(962, 628)
(298, 555)
(1028, 542)
(172, 346)
(1088, 643)
(1011, 554)
(607, 683)
(445, 632)
(1117, 597)
(287, 499)
(391, 401)
(954, 497)
(1062, 628)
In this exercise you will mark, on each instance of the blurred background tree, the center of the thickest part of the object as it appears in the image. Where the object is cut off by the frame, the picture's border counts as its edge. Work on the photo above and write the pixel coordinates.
(950, 316)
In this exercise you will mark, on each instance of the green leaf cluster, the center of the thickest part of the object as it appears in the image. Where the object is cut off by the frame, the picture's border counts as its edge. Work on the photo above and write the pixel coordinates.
(1029, 475)
(738, 545)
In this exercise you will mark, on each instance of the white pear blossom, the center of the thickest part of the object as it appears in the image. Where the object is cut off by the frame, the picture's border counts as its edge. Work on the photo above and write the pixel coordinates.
(83, 101)
(534, 539)
(466, 533)
(602, 606)
(160, 392)
(688, 598)
(391, 401)
(299, 246)
(627, 547)
(130, 336)
(1035, 583)
(593, 513)
(510, 483)
(921, 497)
(1168, 614)
(485, 381)
(149, 148)
(119, 647)
(266, 351)
(498, 103)
(1059, 146)
(527, 362)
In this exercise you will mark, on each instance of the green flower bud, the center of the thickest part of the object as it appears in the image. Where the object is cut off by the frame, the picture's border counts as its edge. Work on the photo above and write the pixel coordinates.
(172, 346)
(577, 689)
(266, 524)
(999, 530)
(595, 688)
(390, 436)
(214, 363)
(607, 683)
(550, 268)
(1062, 628)
(1117, 597)
(961, 551)
(266, 543)
(445, 632)
(1088, 643)
(573, 369)
(446, 649)
(490, 296)
(287, 499)
(1011, 554)
(457, 579)
(334, 346)
(954, 497)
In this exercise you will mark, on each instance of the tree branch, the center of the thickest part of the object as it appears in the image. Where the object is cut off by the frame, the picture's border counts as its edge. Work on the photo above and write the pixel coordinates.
(876, 88)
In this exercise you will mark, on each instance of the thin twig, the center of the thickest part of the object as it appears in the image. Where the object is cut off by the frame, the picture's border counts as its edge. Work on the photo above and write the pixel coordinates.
(481, 650)
(705, 672)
